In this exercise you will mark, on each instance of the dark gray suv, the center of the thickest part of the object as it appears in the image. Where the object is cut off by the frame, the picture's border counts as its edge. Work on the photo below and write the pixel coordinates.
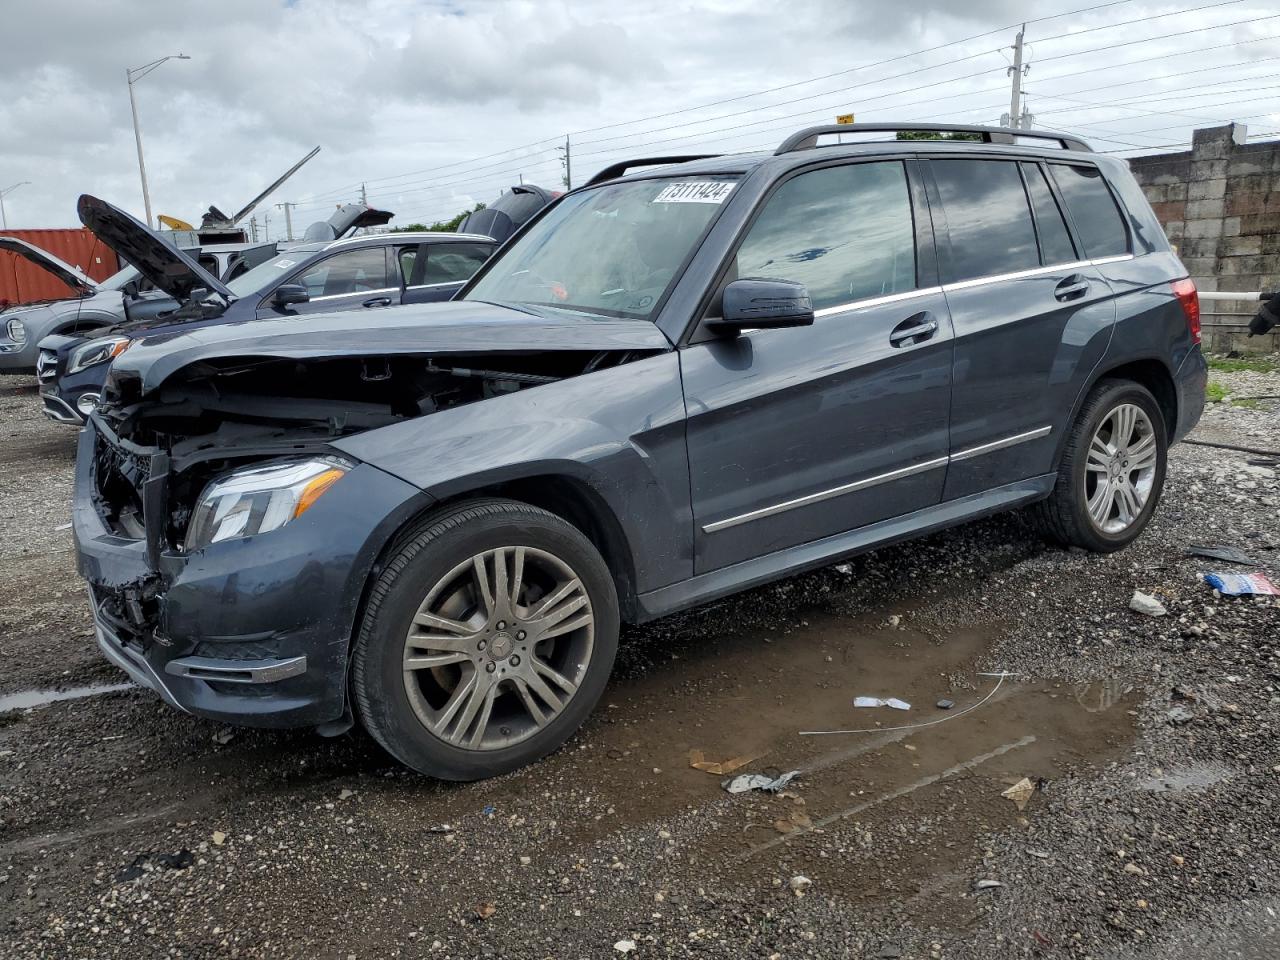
(671, 385)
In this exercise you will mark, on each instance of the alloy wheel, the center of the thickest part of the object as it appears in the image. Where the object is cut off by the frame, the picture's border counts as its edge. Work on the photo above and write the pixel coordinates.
(1120, 468)
(498, 648)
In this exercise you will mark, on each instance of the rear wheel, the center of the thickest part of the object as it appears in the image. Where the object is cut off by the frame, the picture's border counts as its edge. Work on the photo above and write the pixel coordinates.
(1112, 470)
(487, 641)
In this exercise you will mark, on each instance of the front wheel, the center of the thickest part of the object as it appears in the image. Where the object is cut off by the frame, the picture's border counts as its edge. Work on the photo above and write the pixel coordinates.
(1112, 470)
(486, 642)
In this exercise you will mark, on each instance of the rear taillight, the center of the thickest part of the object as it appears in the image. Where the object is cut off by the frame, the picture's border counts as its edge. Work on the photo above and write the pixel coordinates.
(1185, 291)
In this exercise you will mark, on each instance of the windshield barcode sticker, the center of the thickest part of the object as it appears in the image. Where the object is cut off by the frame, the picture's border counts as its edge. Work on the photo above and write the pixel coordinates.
(698, 191)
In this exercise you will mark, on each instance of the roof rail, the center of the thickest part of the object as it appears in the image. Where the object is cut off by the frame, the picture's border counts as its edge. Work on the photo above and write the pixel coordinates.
(618, 169)
(807, 139)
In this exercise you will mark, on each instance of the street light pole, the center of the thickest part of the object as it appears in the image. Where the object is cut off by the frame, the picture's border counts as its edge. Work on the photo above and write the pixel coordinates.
(4, 223)
(132, 76)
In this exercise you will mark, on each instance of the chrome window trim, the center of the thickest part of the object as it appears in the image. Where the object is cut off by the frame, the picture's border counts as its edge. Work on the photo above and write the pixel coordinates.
(877, 480)
(428, 286)
(877, 301)
(359, 293)
(966, 284)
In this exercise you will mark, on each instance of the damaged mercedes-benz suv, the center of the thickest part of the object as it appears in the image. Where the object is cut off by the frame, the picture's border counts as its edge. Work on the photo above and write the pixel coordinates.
(670, 385)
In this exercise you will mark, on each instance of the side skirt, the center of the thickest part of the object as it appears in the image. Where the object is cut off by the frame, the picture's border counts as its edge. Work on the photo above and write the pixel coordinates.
(819, 553)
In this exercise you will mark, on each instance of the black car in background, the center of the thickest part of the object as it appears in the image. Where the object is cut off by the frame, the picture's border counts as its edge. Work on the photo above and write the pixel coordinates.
(368, 272)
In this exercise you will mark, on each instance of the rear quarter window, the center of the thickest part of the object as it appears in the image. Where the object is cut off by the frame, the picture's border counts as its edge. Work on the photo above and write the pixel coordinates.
(1093, 210)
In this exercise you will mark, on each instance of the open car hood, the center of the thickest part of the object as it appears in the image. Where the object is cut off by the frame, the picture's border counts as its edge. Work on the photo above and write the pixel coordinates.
(348, 217)
(431, 329)
(68, 274)
(163, 264)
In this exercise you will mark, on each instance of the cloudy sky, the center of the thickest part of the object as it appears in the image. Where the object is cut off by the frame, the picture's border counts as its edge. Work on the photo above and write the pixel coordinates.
(438, 104)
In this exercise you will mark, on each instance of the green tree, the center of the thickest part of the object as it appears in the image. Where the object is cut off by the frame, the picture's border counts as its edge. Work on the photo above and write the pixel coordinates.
(936, 135)
(442, 226)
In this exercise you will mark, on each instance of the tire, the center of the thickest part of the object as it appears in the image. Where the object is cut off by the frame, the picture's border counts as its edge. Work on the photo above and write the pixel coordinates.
(1065, 517)
(471, 697)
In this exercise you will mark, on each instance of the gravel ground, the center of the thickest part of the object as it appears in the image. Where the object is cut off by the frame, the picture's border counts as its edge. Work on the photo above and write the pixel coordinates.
(127, 830)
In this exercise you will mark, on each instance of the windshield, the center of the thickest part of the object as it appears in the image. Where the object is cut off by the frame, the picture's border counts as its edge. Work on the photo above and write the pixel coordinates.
(268, 272)
(613, 250)
(118, 279)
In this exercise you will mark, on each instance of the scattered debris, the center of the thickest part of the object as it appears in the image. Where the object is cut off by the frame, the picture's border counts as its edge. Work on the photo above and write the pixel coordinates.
(877, 702)
(1001, 677)
(219, 838)
(489, 810)
(442, 828)
(62, 526)
(224, 736)
(625, 946)
(797, 820)
(168, 861)
(1147, 604)
(945, 704)
(1239, 584)
(1226, 554)
(799, 884)
(759, 781)
(844, 568)
(980, 885)
(698, 761)
(486, 910)
(1020, 793)
(346, 794)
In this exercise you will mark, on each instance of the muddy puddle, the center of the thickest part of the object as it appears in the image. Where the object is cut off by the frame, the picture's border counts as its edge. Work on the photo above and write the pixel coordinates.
(27, 699)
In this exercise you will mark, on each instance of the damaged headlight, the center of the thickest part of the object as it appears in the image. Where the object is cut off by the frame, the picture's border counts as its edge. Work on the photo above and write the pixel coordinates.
(259, 499)
(16, 329)
(95, 352)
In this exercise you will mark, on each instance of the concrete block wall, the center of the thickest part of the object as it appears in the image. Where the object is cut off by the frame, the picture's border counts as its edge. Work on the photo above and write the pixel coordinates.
(1219, 203)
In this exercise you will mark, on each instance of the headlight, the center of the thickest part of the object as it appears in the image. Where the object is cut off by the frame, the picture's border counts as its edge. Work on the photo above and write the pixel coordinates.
(17, 330)
(259, 499)
(95, 352)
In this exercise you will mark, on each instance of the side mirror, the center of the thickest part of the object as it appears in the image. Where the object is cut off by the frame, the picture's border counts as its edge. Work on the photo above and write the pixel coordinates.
(762, 305)
(288, 293)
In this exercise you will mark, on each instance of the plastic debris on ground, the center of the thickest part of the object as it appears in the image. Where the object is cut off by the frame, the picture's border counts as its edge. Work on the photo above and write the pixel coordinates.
(1020, 793)
(168, 861)
(878, 702)
(945, 704)
(625, 946)
(1225, 554)
(1147, 604)
(759, 781)
(698, 760)
(799, 884)
(1241, 584)
(986, 884)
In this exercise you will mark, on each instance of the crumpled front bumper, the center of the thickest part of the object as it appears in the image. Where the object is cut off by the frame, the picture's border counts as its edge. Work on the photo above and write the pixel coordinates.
(254, 631)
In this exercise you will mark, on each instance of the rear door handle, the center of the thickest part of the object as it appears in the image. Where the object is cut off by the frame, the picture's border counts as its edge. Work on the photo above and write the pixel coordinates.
(914, 329)
(378, 302)
(1072, 288)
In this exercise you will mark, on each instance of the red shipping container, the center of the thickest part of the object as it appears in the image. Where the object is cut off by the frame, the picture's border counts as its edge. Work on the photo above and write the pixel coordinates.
(22, 281)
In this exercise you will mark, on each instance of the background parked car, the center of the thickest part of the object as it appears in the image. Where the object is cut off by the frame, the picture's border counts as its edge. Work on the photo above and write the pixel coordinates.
(366, 272)
(99, 305)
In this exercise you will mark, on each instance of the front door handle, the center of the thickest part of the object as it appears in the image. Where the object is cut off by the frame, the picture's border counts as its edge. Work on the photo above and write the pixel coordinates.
(914, 329)
(1072, 288)
(378, 302)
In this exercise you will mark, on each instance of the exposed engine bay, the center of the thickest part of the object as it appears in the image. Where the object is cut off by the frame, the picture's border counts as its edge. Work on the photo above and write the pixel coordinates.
(219, 415)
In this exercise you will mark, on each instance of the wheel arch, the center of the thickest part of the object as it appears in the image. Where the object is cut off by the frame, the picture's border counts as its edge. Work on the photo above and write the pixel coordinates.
(1149, 372)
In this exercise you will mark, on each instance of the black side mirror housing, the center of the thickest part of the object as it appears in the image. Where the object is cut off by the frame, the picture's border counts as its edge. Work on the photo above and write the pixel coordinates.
(750, 304)
(288, 293)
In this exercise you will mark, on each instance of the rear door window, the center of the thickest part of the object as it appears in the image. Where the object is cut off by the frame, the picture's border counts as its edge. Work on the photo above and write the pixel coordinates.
(844, 232)
(1055, 239)
(1093, 210)
(988, 218)
(454, 262)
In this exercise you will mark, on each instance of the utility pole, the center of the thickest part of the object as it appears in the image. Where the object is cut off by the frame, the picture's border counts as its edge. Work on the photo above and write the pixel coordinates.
(4, 223)
(1017, 71)
(567, 161)
(266, 226)
(132, 75)
(364, 195)
(288, 220)
(253, 229)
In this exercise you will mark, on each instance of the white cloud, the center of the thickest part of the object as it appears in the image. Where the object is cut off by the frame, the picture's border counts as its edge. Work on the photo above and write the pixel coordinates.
(402, 93)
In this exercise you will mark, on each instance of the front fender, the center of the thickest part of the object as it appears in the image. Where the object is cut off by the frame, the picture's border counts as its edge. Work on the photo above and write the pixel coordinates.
(620, 431)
